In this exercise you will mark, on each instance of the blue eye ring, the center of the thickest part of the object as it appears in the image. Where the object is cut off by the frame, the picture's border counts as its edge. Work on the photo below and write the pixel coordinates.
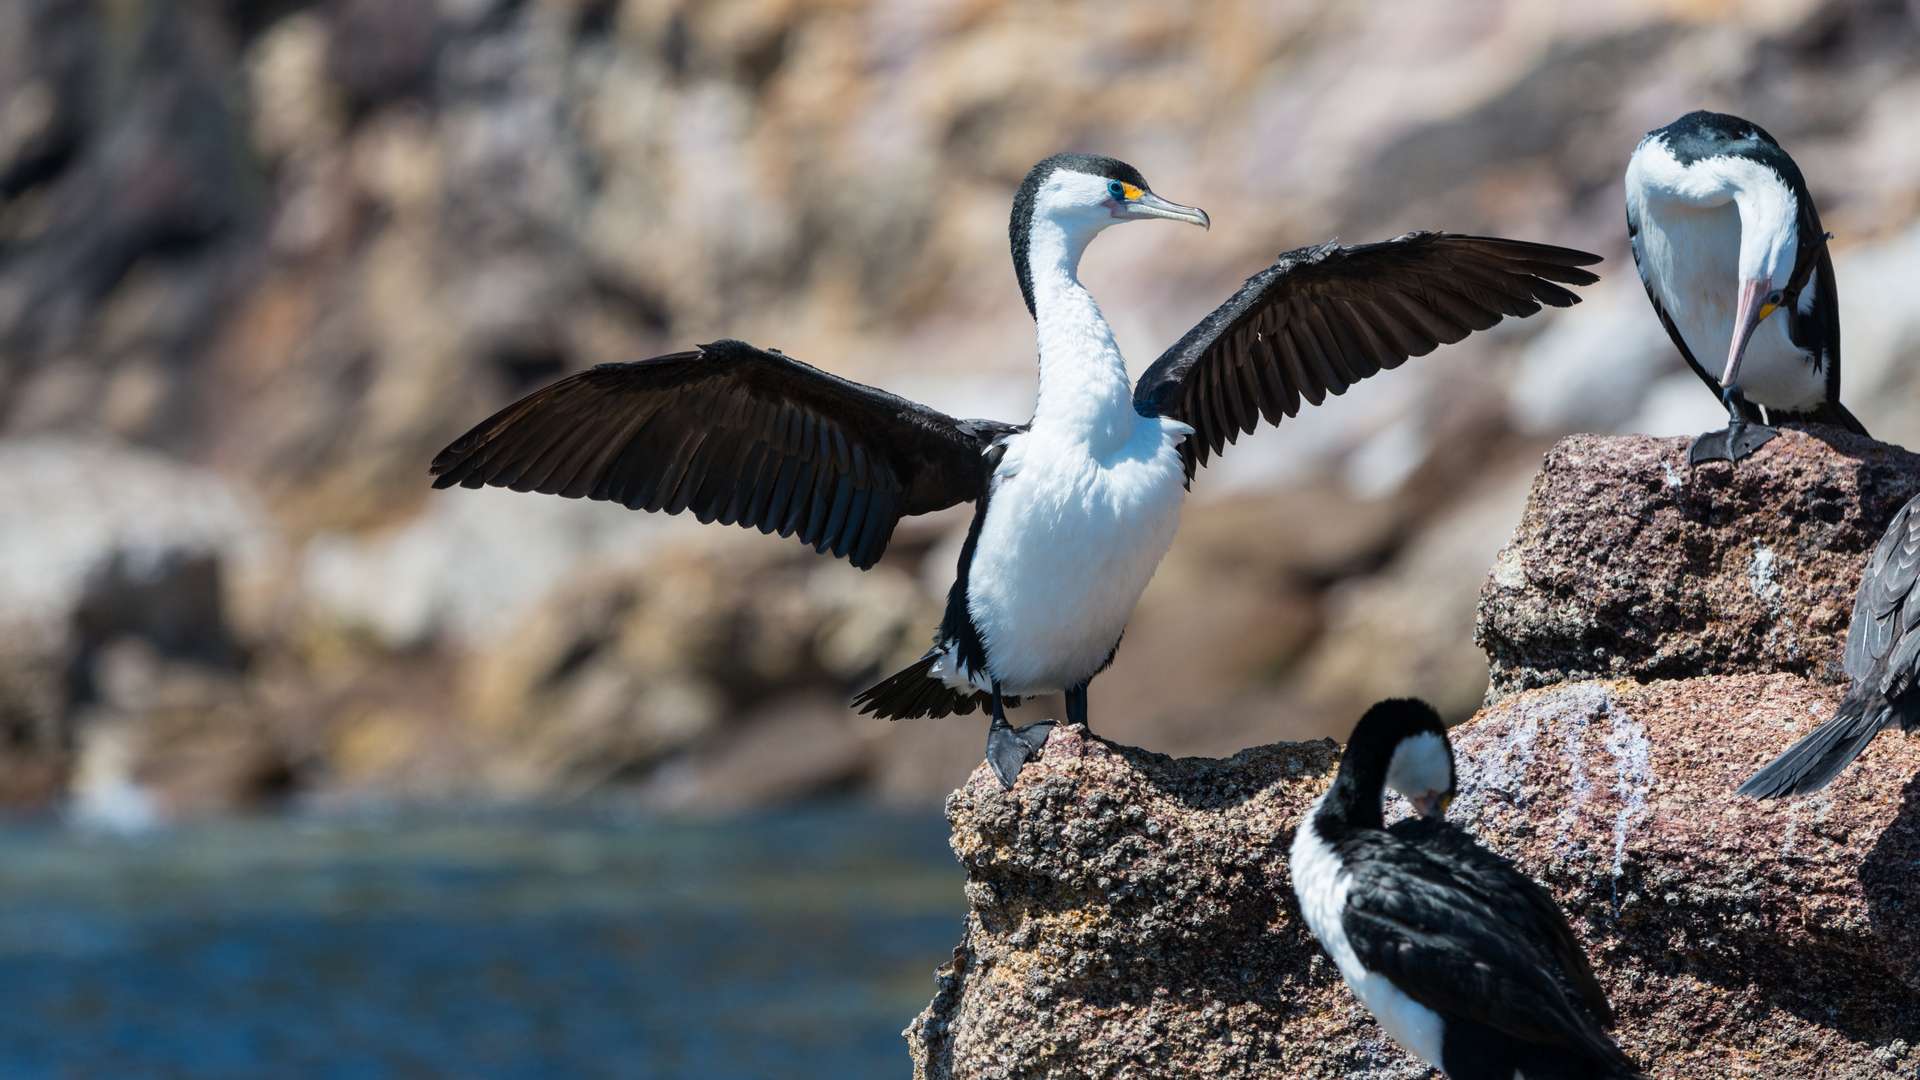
(1116, 189)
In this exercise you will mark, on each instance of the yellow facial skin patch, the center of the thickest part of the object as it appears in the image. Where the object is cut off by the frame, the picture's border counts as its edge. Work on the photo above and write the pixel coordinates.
(1130, 191)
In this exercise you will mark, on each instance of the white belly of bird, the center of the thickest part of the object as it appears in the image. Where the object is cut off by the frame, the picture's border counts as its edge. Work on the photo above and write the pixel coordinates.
(1321, 885)
(1069, 542)
(1694, 255)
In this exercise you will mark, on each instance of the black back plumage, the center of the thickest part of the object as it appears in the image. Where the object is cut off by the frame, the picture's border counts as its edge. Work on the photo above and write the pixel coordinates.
(1495, 882)
(735, 434)
(1458, 929)
(915, 692)
(1882, 663)
(1322, 318)
(1702, 135)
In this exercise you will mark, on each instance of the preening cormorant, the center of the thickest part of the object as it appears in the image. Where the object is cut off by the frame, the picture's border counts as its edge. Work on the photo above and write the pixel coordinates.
(1725, 234)
(1464, 961)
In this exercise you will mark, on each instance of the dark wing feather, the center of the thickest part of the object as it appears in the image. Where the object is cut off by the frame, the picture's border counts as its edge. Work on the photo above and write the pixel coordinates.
(1883, 643)
(735, 434)
(1496, 883)
(1417, 917)
(1817, 329)
(1322, 318)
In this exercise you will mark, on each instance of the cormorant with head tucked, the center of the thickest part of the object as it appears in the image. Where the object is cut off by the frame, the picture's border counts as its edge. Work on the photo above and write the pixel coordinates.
(1725, 236)
(1464, 961)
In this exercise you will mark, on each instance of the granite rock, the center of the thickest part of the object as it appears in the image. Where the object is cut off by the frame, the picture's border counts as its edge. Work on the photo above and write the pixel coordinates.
(1131, 914)
(1627, 562)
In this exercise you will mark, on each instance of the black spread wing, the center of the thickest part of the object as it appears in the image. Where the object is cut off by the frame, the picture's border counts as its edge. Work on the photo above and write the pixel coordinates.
(1883, 644)
(1520, 899)
(738, 435)
(1322, 318)
(1414, 917)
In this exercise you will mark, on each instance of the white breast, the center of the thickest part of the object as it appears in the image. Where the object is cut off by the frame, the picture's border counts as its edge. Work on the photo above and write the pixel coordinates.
(1070, 539)
(1322, 883)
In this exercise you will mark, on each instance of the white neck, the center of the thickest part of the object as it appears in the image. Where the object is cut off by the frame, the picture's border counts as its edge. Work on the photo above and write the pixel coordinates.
(1084, 390)
(1767, 208)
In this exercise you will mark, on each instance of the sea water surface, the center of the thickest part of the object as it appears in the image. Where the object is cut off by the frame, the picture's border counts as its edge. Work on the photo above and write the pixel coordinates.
(497, 944)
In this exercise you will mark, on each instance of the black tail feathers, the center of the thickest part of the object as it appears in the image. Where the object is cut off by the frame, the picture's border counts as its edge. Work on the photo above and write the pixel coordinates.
(1832, 412)
(915, 691)
(1815, 760)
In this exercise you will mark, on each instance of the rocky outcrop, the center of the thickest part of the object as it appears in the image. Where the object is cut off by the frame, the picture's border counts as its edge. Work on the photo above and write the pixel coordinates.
(1629, 563)
(118, 574)
(1736, 938)
(1131, 915)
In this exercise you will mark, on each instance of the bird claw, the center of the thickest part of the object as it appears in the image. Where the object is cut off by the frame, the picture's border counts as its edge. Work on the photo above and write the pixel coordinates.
(1730, 444)
(1010, 748)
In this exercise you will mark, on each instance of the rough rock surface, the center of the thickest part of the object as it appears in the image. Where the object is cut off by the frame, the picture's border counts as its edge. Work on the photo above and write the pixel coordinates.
(1736, 938)
(1131, 915)
(1629, 563)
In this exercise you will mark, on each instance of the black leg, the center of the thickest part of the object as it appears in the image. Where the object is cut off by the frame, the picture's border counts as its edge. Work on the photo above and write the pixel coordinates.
(1740, 437)
(1077, 706)
(1010, 748)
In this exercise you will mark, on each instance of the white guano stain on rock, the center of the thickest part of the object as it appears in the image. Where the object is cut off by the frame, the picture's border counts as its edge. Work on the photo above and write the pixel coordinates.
(1501, 771)
(1633, 778)
(1568, 720)
(1507, 571)
(1760, 576)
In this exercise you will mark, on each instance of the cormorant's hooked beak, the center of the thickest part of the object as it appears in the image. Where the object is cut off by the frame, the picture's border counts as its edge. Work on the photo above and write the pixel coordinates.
(1433, 804)
(1151, 205)
(1757, 301)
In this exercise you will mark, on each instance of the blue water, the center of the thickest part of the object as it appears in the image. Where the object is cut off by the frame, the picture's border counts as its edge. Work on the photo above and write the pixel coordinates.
(795, 945)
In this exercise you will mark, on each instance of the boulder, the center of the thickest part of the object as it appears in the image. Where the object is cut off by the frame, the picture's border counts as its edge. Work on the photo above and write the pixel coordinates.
(1129, 915)
(1629, 563)
(1132, 915)
(1735, 937)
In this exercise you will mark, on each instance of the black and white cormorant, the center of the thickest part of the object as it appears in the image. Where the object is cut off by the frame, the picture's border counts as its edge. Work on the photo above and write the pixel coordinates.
(1074, 509)
(1465, 961)
(1882, 663)
(1725, 233)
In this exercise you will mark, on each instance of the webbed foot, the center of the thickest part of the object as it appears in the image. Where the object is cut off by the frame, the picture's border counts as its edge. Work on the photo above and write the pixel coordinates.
(1735, 441)
(1010, 748)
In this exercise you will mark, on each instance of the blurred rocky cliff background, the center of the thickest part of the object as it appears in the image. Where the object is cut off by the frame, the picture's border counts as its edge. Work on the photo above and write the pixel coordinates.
(259, 260)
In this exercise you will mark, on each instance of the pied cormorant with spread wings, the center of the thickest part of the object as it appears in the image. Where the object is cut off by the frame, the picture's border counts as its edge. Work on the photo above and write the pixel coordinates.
(1073, 509)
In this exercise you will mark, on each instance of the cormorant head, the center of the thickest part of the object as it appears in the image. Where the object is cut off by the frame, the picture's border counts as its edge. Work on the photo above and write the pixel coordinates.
(1403, 741)
(1076, 196)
